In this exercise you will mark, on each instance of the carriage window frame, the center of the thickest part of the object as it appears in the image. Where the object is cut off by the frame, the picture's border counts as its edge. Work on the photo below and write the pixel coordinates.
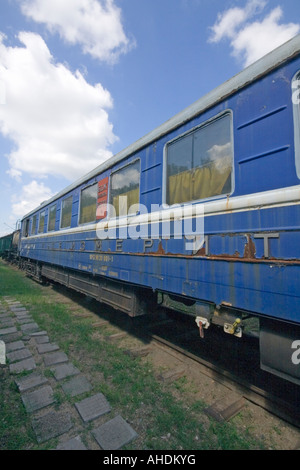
(33, 225)
(80, 214)
(296, 118)
(25, 227)
(50, 219)
(62, 210)
(41, 226)
(191, 132)
(110, 198)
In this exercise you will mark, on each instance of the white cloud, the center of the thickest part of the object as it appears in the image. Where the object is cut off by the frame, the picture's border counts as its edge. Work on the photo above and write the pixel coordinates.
(95, 25)
(231, 19)
(249, 39)
(56, 119)
(16, 174)
(30, 197)
(259, 38)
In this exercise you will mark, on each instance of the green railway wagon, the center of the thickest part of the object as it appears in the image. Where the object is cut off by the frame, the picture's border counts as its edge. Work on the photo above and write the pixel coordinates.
(6, 244)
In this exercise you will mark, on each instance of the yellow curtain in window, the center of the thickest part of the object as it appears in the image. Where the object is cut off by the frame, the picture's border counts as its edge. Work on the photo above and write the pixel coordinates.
(199, 183)
(66, 219)
(120, 205)
(88, 213)
(180, 188)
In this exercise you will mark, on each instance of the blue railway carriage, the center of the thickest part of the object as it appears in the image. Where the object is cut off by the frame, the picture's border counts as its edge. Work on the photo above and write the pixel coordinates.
(205, 208)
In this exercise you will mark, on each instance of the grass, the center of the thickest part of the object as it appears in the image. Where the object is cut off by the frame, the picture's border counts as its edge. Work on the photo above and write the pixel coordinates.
(15, 429)
(162, 414)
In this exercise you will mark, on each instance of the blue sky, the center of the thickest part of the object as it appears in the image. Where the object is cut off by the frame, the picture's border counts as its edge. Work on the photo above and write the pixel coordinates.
(81, 80)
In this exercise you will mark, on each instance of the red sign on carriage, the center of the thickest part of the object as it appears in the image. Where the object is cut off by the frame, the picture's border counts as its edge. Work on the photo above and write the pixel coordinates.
(102, 199)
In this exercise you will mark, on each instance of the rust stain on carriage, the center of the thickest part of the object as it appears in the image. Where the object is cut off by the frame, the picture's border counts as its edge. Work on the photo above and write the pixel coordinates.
(160, 250)
(200, 252)
(228, 208)
(250, 249)
(248, 257)
(236, 255)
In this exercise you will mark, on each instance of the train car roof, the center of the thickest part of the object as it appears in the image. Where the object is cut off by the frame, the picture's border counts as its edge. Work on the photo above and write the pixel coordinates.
(251, 73)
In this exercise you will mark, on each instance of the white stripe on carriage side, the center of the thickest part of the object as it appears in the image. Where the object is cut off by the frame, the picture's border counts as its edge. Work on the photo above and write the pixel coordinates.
(258, 201)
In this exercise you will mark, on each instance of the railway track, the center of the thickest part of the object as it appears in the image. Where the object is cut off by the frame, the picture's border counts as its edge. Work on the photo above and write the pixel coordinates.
(234, 364)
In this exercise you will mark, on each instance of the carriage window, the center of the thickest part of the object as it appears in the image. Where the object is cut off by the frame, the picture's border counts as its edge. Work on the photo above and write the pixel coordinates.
(296, 112)
(33, 228)
(125, 189)
(199, 164)
(42, 222)
(88, 204)
(52, 218)
(25, 228)
(66, 212)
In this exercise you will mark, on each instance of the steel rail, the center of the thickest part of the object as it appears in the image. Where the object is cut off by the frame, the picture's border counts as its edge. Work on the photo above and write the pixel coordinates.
(260, 397)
